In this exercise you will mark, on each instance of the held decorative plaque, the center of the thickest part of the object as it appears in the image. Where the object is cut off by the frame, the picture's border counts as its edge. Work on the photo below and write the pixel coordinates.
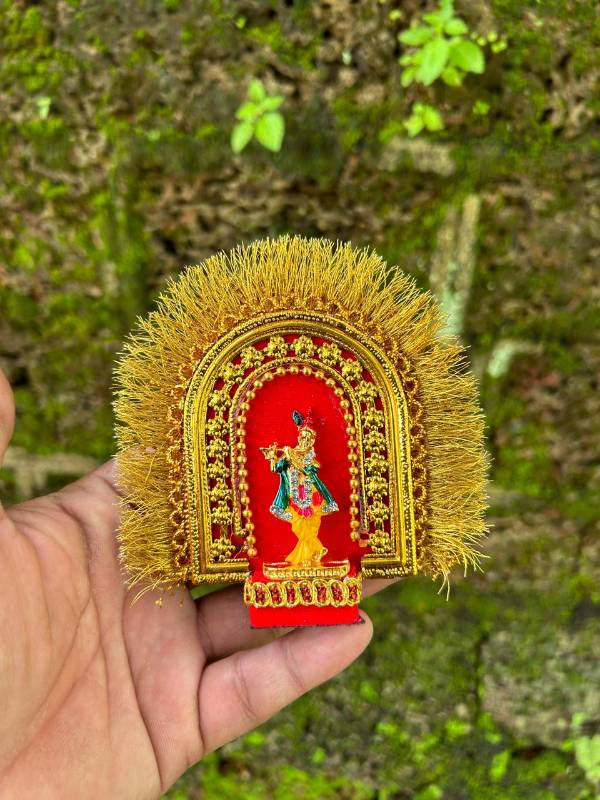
(291, 417)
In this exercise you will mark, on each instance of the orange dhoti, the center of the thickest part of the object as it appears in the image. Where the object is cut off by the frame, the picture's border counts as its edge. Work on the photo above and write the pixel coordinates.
(310, 549)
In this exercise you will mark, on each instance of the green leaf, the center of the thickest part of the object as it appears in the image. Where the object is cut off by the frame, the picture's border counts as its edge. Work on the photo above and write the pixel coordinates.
(256, 91)
(578, 719)
(272, 103)
(414, 125)
(432, 118)
(587, 754)
(407, 76)
(468, 56)
(433, 60)
(246, 111)
(241, 135)
(499, 765)
(415, 36)
(434, 19)
(480, 108)
(455, 27)
(431, 792)
(446, 9)
(406, 59)
(441, 15)
(452, 77)
(269, 131)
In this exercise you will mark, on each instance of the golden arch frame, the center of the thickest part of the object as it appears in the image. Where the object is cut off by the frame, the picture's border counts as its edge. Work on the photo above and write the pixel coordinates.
(402, 557)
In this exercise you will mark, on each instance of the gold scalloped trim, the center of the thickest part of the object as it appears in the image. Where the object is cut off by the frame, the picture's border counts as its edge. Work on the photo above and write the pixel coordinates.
(319, 592)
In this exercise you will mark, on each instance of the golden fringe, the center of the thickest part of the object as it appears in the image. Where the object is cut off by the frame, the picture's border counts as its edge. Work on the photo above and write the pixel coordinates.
(288, 273)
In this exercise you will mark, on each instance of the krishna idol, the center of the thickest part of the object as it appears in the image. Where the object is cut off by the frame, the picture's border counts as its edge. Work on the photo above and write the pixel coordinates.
(302, 498)
(325, 349)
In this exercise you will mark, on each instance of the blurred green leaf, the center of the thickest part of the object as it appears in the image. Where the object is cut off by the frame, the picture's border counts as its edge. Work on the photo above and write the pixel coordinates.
(240, 136)
(416, 36)
(434, 19)
(455, 27)
(578, 719)
(431, 792)
(423, 116)
(499, 765)
(432, 118)
(272, 103)
(480, 108)
(498, 47)
(256, 91)
(452, 77)
(468, 56)
(587, 754)
(270, 129)
(446, 9)
(246, 111)
(414, 125)
(408, 76)
(433, 61)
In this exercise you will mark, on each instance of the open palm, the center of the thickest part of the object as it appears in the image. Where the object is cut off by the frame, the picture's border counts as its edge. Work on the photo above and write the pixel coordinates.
(100, 697)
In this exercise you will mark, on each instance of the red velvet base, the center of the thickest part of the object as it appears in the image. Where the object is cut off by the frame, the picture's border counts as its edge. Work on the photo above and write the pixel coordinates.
(303, 616)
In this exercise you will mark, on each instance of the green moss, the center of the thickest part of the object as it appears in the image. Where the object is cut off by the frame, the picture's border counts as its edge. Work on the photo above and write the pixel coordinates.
(8, 491)
(272, 35)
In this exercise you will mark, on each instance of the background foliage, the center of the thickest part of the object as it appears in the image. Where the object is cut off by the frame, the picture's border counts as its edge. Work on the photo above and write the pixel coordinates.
(117, 170)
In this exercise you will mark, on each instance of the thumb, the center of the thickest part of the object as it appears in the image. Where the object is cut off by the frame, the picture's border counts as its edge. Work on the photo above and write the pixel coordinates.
(7, 414)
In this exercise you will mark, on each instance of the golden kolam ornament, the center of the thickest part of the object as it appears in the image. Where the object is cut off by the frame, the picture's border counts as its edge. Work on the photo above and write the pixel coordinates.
(291, 417)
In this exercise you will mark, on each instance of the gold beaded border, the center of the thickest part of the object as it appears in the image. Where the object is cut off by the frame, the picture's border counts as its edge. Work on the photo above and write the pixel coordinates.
(286, 572)
(246, 391)
(277, 594)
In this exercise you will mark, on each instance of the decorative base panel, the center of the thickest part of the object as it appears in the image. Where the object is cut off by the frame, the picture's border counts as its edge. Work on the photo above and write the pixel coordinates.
(298, 600)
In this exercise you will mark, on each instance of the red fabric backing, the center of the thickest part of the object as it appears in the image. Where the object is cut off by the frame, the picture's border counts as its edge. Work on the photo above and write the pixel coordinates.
(270, 420)
(302, 616)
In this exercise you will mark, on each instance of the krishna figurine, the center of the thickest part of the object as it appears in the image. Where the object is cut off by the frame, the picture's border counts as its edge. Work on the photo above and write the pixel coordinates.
(321, 343)
(302, 498)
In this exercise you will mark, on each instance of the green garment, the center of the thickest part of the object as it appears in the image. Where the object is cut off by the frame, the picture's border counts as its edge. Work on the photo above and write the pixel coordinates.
(282, 498)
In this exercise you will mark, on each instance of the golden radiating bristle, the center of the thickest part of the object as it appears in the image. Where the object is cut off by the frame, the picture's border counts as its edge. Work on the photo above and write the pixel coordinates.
(289, 273)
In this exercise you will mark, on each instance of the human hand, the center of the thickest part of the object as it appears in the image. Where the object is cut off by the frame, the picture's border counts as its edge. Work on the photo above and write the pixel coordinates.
(101, 698)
